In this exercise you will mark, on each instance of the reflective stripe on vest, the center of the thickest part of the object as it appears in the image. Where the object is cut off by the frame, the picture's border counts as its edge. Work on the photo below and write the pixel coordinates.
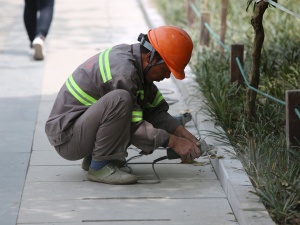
(104, 65)
(158, 98)
(140, 94)
(78, 93)
(137, 116)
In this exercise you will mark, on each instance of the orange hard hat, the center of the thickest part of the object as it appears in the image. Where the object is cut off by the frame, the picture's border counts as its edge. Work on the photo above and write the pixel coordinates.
(175, 47)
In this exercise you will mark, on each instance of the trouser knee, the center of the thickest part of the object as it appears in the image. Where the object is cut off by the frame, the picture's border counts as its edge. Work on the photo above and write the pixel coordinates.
(124, 99)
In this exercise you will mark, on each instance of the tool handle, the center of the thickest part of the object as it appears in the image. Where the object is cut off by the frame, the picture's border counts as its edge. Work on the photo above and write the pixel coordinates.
(171, 154)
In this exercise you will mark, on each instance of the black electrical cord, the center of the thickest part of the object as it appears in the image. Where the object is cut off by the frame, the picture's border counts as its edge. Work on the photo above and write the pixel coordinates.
(153, 163)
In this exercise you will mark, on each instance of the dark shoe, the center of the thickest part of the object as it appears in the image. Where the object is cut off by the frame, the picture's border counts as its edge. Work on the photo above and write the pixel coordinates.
(111, 174)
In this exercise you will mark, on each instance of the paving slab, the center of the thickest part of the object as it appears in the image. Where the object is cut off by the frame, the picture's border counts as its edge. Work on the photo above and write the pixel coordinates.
(20, 80)
(50, 158)
(177, 211)
(74, 172)
(78, 190)
(41, 142)
(12, 178)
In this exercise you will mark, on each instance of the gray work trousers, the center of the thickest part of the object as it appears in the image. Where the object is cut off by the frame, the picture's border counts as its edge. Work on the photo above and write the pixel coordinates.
(102, 131)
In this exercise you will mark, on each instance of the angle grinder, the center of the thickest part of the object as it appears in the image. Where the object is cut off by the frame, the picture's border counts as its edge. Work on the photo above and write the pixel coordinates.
(206, 150)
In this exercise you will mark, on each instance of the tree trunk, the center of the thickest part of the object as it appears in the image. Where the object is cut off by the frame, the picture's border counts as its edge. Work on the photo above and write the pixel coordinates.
(256, 22)
(223, 22)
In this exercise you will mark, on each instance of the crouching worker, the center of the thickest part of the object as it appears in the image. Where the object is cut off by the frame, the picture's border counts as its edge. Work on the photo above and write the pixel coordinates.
(110, 102)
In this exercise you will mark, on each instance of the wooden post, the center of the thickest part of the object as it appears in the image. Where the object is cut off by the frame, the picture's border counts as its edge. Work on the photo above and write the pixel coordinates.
(191, 14)
(292, 98)
(204, 33)
(237, 50)
(223, 23)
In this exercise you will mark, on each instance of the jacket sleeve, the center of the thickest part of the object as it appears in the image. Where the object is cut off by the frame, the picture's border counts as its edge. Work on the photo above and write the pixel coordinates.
(147, 138)
(157, 114)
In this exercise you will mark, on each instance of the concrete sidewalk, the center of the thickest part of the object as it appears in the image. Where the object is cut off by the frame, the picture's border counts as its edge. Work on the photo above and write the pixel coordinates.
(37, 186)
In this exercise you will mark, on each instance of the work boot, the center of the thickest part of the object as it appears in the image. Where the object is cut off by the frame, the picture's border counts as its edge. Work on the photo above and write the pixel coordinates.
(111, 174)
(86, 162)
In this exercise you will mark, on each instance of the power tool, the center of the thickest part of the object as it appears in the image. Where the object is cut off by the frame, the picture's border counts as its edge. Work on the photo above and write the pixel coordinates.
(206, 150)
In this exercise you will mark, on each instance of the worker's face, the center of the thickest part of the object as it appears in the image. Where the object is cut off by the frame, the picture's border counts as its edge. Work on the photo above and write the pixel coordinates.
(158, 72)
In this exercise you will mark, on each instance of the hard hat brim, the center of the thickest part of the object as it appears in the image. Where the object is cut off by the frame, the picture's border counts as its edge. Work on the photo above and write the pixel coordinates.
(178, 75)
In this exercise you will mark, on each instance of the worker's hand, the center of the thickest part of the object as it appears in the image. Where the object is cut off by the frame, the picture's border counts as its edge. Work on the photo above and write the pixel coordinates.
(182, 132)
(187, 149)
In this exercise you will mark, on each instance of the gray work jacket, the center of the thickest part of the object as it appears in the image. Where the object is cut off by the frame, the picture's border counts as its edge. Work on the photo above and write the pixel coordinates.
(118, 67)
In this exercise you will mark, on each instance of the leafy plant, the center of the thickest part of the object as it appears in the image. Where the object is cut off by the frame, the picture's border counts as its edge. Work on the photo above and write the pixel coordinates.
(261, 145)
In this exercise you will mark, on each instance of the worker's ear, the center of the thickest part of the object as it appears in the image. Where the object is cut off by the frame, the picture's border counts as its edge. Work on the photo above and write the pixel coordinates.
(154, 60)
(145, 59)
(148, 55)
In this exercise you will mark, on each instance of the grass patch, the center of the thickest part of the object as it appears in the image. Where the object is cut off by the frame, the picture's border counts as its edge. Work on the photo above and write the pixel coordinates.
(261, 145)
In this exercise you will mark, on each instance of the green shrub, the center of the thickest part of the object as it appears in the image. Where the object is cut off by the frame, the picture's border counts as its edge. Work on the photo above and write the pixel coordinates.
(261, 144)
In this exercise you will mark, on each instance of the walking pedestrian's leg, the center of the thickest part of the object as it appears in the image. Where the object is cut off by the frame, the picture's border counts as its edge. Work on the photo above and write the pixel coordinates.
(30, 18)
(44, 20)
(46, 9)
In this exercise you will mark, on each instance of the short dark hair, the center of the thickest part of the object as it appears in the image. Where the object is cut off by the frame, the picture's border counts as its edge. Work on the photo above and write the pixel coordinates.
(144, 50)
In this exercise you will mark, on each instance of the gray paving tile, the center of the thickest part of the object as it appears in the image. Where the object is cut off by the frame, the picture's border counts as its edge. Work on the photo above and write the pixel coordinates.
(55, 173)
(9, 209)
(50, 158)
(164, 171)
(41, 142)
(19, 96)
(10, 194)
(17, 121)
(64, 190)
(116, 222)
(58, 70)
(12, 178)
(175, 172)
(44, 112)
(13, 165)
(119, 222)
(16, 137)
(181, 211)
(8, 14)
